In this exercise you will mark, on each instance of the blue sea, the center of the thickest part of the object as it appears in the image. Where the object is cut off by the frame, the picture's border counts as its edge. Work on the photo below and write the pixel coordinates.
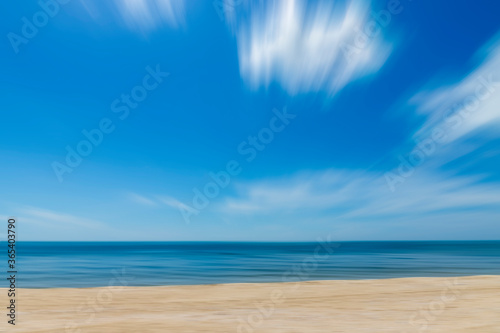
(91, 264)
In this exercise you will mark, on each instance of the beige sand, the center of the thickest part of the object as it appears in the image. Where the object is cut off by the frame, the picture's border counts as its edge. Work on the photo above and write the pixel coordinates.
(466, 304)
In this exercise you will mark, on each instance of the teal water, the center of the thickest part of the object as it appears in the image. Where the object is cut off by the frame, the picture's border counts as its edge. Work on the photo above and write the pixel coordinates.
(90, 264)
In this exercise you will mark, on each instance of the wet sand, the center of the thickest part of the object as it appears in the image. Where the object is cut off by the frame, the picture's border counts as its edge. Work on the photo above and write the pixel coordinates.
(464, 304)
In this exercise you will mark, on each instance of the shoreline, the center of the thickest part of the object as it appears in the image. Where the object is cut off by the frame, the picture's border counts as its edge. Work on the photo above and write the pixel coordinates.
(433, 304)
(259, 283)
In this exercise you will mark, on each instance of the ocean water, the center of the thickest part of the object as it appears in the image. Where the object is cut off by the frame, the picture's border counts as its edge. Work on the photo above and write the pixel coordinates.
(91, 264)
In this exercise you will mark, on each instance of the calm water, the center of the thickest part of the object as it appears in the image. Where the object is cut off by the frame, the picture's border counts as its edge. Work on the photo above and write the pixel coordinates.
(88, 264)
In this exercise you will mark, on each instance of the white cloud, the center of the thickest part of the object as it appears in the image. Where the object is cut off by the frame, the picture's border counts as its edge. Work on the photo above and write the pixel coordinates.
(174, 203)
(137, 198)
(358, 196)
(469, 106)
(51, 218)
(303, 191)
(306, 48)
(144, 15)
(157, 200)
(149, 14)
(459, 117)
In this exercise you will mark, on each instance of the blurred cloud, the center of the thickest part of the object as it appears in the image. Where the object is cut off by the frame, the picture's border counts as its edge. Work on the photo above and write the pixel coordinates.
(174, 203)
(469, 106)
(142, 15)
(458, 119)
(137, 198)
(157, 200)
(55, 219)
(356, 196)
(308, 47)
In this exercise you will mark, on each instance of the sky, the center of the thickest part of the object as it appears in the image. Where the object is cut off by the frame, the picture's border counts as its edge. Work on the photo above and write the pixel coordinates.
(236, 120)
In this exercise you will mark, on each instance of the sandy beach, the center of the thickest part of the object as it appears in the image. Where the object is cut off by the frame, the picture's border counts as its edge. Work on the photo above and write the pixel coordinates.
(464, 304)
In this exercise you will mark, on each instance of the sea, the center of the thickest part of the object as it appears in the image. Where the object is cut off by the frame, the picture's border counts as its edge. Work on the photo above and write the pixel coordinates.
(94, 264)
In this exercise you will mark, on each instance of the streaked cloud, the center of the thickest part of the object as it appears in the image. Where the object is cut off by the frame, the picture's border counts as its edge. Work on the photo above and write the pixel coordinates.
(469, 106)
(457, 120)
(174, 203)
(351, 195)
(142, 15)
(52, 218)
(306, 47)
(137, 198)
(157, 200)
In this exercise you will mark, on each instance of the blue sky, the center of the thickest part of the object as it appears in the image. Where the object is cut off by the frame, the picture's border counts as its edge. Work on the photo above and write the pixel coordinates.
(360, 120)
